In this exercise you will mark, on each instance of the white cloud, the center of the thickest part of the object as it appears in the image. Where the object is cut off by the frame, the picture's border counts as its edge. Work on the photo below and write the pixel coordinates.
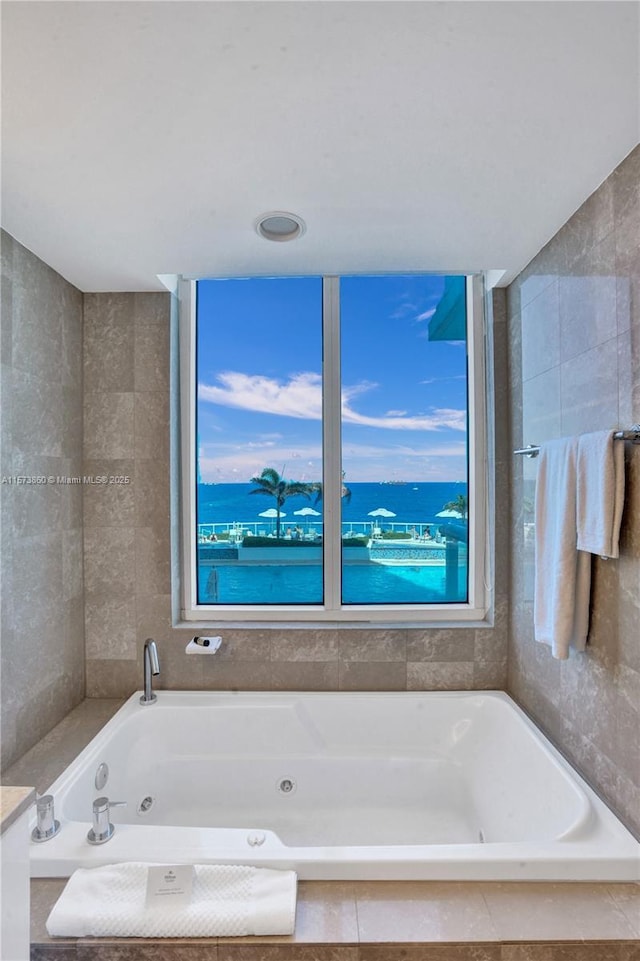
(403, 450)
(439, 418)
(237, 462)
(301, 397)
(440, 380)
(426, 315)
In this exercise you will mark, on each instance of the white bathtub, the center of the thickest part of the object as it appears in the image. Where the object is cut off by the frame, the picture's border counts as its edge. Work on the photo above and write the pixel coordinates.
(338, 786)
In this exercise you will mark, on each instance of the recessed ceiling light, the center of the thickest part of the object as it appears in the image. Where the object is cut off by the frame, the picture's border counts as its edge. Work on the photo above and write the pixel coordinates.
(280, 226)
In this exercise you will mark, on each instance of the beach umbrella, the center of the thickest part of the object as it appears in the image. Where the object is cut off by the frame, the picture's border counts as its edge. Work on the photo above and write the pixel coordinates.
(381, 512)
(449, 514)
(307, 512)
(272, 514)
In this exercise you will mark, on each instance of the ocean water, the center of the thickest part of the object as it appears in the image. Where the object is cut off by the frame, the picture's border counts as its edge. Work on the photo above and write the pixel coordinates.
(227, 582)
(412, 503)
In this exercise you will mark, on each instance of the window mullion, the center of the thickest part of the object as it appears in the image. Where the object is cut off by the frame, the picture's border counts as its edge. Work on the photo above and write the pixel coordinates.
(331, 413)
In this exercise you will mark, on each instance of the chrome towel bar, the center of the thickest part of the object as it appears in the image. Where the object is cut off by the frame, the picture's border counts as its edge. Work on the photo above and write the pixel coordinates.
(633, 434)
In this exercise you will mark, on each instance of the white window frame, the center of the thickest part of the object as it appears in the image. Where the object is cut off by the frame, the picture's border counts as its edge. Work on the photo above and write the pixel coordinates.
(332, 613)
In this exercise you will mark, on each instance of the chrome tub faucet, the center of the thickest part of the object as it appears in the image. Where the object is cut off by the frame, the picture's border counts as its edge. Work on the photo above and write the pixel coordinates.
(151, 666)
(102, 828)
(46, 827)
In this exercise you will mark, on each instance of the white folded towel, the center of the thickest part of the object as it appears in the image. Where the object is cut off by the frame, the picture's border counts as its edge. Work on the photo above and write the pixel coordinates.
(600, 493)
(227, 901)
(562, 573)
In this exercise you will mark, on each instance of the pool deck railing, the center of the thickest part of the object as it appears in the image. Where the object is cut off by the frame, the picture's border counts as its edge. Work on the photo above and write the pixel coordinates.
(236, 531)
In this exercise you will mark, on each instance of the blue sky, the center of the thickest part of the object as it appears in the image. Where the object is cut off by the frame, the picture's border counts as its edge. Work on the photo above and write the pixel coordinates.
(259, 380)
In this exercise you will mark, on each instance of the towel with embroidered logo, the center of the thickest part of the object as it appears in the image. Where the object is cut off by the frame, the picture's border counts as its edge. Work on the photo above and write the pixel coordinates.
(227, 900)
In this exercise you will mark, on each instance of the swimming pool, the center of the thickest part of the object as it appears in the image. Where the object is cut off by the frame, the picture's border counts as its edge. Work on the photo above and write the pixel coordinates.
(302, 583)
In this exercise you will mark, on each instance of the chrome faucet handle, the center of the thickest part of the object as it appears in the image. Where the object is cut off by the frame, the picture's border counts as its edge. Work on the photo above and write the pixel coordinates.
(46, 825)
(102, 828)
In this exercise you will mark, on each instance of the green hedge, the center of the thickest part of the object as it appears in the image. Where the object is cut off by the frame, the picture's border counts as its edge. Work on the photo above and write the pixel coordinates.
(273, 542)
(396, 536)
(277, 542)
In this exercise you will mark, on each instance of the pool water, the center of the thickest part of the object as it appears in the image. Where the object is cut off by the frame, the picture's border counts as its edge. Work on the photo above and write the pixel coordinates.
(302, 584)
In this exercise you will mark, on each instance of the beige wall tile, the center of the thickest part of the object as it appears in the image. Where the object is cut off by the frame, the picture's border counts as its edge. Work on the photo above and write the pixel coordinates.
(150, 492)
(361, 645)
(151, 421)
(247, 675)
(373, 675)
(541, 414)
(37, 421)
(110, 626)
(111, 678)
(441, 645)
(110, 561)
(108, 350)
(434, 676)
(541, 332)
(305, 675)
(590, 224)
(241, 645)
(152, 355)
(490, 675)
(596, 260)
(589, 391)
(150, 308)
(109, 504)
(305, 646)
(71, 443)
(152, 559)
(588, 300)
(108, 425)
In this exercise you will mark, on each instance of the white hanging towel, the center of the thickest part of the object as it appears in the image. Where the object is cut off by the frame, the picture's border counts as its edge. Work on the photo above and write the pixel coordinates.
(227, 900)
(562, 573)
(600, 493)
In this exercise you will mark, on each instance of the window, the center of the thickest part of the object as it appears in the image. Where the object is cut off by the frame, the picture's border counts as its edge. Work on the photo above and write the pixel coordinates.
(332, 430)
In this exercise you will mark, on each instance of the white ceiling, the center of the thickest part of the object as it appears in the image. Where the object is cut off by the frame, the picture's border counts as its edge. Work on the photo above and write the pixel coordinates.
(142, 138)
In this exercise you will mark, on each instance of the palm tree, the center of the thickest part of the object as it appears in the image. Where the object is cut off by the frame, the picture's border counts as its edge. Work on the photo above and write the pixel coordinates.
(459, 505)
(270, 482)
(317, 489)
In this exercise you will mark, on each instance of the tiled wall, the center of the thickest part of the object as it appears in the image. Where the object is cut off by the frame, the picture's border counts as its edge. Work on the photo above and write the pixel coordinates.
(41, 554)
(574, 327)
(86, 567)
(127, 551)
